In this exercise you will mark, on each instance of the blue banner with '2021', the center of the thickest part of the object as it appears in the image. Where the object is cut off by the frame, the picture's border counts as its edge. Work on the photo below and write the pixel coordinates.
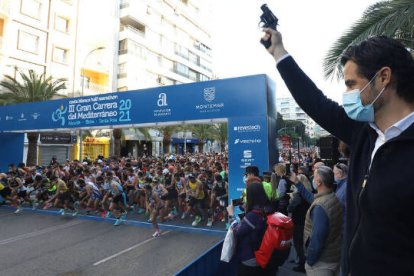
(203, 100)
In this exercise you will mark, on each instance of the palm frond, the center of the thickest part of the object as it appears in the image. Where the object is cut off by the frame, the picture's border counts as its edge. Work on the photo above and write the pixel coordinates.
(393, 18)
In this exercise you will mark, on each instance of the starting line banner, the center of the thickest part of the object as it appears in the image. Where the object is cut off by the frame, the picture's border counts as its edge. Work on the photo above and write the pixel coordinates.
(247, 103)
(196, 101)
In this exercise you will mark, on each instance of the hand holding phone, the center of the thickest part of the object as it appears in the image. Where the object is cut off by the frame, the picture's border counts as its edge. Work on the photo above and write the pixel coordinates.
(237, 202)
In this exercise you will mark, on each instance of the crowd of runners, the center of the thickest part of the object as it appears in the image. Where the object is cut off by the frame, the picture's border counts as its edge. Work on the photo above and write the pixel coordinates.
(165, 188)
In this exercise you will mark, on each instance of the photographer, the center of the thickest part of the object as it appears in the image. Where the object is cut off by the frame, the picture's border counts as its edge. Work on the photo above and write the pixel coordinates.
(376, 121)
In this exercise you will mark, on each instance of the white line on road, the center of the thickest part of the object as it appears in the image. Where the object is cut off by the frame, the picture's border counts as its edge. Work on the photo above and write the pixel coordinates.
(40, 232)
(127, 250)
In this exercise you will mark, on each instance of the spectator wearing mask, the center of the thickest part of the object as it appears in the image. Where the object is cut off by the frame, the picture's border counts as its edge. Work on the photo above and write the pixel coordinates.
(323, 226)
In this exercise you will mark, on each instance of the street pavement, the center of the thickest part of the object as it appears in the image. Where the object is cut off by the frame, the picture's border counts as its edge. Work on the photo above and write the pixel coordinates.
(38, 244)
(35, 243)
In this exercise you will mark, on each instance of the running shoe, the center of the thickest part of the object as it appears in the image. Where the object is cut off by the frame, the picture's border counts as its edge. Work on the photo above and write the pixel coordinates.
(108, 214)
(184, 215)
(150, 220)
(34, 206)
(62, 212)
(123, 216)
(103, 214)
(156, 234)
(209, 223)
(140, 211)
(74, 214)
(174, 211)
(18, 210)
(196, 221)
(47, 206)
(117, 222)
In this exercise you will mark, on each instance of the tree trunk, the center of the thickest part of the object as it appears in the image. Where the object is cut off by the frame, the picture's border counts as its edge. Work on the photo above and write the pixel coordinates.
(223, 146)
(201, 147)
(32, 149)
(166, 146)
(117, 134)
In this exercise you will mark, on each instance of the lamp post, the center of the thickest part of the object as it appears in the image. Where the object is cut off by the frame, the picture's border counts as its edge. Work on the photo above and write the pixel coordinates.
(82, 92)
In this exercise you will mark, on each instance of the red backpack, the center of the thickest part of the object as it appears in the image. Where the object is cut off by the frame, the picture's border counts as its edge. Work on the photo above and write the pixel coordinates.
(278, 236)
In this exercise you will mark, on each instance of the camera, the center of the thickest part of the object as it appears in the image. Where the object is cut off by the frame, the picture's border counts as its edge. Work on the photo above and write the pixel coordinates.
(237, 202)
(267, 20)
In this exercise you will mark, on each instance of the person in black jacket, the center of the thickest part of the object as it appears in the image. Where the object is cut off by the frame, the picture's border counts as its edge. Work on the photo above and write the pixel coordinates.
(376, 121)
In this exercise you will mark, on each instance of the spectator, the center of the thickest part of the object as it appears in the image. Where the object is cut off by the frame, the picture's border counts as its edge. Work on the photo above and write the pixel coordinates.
(323, 223)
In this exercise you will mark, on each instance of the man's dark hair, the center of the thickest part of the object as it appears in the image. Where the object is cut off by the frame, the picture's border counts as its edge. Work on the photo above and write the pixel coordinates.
(379, 51)
(252, 170)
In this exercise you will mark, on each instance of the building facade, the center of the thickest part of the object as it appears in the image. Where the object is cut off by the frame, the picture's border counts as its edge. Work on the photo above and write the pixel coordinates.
(163, 42)
(290, 110)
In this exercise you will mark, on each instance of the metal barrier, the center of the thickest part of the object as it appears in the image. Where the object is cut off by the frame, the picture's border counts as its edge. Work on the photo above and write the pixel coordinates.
(209, 264)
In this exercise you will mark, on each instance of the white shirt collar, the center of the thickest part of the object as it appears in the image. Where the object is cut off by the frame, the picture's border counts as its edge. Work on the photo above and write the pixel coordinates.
(397, 128)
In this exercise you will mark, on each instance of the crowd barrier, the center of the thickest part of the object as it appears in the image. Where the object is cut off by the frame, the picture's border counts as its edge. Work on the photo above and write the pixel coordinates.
(209, 264)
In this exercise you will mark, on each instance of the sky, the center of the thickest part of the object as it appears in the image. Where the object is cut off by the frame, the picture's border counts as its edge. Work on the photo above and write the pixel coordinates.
(309, 29)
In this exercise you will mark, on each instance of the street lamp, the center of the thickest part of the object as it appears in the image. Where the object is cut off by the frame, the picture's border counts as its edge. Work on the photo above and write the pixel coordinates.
(83, 65)
(82, 91)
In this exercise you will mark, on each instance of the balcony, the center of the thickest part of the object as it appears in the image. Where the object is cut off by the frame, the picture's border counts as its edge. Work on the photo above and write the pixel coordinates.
(133, 13)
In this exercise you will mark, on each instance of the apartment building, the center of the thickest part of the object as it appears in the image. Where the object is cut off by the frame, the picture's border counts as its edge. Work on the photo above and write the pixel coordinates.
(290, 110)
(38, 35)
(163, 42)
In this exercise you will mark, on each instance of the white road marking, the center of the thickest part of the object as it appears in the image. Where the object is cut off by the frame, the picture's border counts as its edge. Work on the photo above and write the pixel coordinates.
(40, 232)
(128, 249)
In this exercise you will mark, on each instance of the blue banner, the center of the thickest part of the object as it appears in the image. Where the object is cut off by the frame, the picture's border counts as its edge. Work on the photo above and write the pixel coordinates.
(196, 101)
(248, 146)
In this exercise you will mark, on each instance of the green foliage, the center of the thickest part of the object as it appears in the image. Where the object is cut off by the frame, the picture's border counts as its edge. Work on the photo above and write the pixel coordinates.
(393, 18)
(31, 88)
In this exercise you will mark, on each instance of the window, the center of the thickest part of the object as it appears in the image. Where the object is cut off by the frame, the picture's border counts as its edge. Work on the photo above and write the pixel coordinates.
(31, 8)
(85, 82)
(181, 69)
(123, 46)
(192, 75)
(1, 26)
(60, 55)
(62, 24)
(193, 58)
(122, 71)
(28, 42)
(124, 4)
(181, 51)
(204, 77)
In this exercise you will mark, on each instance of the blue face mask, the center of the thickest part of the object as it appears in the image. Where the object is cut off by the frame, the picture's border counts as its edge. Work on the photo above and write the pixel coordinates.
(354, 108)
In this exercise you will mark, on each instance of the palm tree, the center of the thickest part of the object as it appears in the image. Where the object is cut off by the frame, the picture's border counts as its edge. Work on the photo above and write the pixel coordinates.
(31, 88)
(220, 134)
(167, 132)
(202, 132)
(392, 18)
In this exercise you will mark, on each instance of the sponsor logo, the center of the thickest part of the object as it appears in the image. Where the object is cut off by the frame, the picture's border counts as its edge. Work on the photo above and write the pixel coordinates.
(209, 94)
(162, 100)
(163, 111)
(35, 116)
(247, 128)
(247, 154)
(247, 141)
(58, 115)
(22, 118)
